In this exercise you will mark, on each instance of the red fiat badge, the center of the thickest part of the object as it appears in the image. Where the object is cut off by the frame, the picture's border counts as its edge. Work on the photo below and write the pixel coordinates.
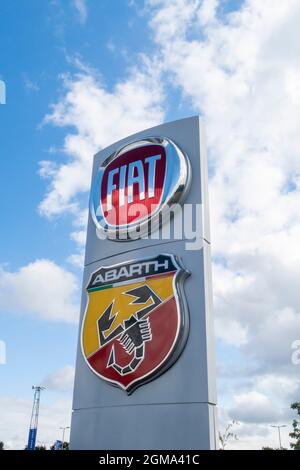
(134, 184)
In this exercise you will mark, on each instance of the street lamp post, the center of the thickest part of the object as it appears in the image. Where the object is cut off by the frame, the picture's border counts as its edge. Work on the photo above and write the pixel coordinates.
(279, 434)
(63, 435)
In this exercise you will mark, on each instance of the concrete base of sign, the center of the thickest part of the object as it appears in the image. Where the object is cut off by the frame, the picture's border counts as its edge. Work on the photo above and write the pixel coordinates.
(141, 427)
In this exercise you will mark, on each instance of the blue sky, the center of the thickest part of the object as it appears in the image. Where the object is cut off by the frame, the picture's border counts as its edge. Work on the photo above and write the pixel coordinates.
(48, 51)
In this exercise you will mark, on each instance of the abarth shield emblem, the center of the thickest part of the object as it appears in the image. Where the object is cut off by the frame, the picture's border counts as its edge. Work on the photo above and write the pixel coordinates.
(136, 321)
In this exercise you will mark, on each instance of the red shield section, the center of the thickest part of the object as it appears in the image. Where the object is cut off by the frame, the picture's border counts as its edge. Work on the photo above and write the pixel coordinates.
(164, 327)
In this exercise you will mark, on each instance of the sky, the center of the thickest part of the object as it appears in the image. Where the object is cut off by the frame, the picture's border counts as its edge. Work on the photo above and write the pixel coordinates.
(81, 74)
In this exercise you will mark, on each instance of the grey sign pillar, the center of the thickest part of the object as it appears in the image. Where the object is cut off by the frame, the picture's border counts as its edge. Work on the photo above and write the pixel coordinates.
(177, 409)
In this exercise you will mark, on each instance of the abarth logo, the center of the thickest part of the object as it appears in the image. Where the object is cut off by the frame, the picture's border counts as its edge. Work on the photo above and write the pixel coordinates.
(135, 184)
(136, 321)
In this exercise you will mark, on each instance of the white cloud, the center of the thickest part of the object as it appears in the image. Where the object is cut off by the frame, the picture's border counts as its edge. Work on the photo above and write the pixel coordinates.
(264, 405)
(171, 19)
(77, 259)
(254, 407)
(253, 293)
(207, 11)
(79, 237)
(99, 117)
(277, 385)
(252, 435)
(81, 7)
(80, 225)
(258, 435)
(61, 380)
(15, 417)
(42, 288)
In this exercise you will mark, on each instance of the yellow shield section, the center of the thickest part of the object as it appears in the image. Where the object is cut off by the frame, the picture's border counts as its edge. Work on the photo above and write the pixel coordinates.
(123, 307)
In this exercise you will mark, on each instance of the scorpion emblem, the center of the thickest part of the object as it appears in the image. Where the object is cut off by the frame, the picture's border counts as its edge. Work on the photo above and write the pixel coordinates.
(133, 333)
